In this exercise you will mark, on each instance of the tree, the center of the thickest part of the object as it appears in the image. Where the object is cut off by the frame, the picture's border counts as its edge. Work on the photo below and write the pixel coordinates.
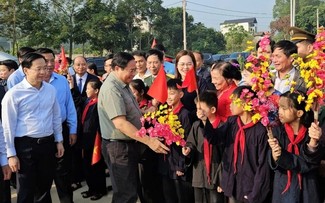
(236, 38)
(205, 39)
(64, 13)
(168, 29)
(281, 26)
(306, 18)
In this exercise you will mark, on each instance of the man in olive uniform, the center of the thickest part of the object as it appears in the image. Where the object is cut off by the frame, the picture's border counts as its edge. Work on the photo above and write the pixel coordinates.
(304, 41)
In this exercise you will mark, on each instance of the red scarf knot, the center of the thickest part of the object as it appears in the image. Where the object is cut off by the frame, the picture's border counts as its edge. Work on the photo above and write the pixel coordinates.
(293, 148)
(207, 150)
(84, 113)
(240, 141)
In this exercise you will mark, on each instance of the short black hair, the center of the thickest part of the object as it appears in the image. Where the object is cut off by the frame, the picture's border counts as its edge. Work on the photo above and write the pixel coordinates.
(23, 51)
(156, 52)
(10, 64)
(140, 53)
(308, 116)
(160, 47)
(121, 59)
(200, 53)
(96, 84)
(172, 84)
(287, 47)
(93, 66)
(108, 57)
(45, 51)
(29, 58)
(209, 97)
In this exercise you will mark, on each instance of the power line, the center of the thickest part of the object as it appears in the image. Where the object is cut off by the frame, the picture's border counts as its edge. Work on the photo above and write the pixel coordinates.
(173, 3)
(221, 14)
(226, 9)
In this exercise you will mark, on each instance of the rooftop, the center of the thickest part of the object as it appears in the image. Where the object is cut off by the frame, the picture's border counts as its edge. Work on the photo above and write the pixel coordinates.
(244, 20)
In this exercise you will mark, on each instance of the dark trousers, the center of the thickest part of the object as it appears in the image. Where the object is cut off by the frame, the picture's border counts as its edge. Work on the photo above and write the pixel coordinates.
(177, 191)
(37, 168)
(94, 174)
(2, 186)
(150, 182)
(203, 195)
(62, 176)
(6, 191)
(122, 161)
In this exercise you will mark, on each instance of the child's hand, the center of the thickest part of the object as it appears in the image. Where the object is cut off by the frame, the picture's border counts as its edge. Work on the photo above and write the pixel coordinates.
(315, 133)
(276, 149)
(219, 189)
(186, 151)
(179, 173)
(200, 114)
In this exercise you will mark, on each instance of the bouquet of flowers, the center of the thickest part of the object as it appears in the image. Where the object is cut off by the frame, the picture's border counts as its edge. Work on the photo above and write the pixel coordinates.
(266, 104)
(163, 124)
(313, 73)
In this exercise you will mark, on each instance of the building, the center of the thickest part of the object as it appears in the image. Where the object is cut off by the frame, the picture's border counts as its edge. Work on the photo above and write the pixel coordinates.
(249, 24)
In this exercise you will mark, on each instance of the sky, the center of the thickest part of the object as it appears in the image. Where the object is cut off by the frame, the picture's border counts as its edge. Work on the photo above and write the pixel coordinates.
(213, 12)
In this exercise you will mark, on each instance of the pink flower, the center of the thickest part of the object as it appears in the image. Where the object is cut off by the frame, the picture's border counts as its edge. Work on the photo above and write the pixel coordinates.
(265, 121)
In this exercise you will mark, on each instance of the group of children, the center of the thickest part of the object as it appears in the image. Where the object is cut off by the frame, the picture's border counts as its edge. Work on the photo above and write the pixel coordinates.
(235, 161)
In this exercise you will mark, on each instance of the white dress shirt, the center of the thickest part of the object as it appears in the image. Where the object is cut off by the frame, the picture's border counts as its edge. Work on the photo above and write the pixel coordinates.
(3, 152)
(32, 112)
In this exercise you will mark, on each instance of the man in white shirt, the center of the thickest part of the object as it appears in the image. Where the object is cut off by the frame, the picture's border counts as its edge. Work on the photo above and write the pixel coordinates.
(141, 65)
(286, 73)
(33, 131)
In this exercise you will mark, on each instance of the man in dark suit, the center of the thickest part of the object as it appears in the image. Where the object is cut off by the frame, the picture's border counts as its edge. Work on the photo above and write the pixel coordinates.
(78, 84)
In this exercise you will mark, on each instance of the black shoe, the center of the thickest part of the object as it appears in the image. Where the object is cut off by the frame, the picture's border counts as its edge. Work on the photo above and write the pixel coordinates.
(96, 197)
(109, 188)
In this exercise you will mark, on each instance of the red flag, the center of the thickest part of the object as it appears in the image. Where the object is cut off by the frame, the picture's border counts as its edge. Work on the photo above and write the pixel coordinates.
(97, 150)
(154, 43)
(158, 89)
(64, 61)
(190, 81)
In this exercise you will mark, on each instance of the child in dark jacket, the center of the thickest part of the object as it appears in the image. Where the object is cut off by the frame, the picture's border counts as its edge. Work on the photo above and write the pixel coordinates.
(245, 173)
(176, 174)
(295, 175)
(206, 158)
(94, 172)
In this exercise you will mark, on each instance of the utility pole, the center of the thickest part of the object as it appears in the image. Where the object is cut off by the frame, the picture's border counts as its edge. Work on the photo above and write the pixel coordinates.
(292, 12)
(184, 24)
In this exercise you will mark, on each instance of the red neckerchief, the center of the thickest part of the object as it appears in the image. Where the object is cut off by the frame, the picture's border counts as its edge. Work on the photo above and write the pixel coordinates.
(207, 150)
(240, 140)
(293, 145)
(178, 108)
(84, 113)
(143, 103)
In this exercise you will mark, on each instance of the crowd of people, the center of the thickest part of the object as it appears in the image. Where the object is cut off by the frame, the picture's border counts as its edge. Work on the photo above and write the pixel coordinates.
(50, 125)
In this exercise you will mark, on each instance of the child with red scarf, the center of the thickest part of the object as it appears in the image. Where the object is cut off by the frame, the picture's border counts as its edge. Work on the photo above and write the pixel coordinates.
(94, 171)
(139, 91)
(245, 173)
(295, 175)
(176, 174)
(206, 157)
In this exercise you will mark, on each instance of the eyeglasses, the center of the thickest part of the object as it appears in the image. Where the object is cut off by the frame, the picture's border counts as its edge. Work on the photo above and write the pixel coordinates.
(190, 64)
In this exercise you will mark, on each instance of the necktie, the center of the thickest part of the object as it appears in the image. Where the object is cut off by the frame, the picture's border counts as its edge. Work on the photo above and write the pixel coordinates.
(80, 85)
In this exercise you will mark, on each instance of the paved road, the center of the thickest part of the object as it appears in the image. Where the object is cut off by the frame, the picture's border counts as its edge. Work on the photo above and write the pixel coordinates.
(76, 195)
